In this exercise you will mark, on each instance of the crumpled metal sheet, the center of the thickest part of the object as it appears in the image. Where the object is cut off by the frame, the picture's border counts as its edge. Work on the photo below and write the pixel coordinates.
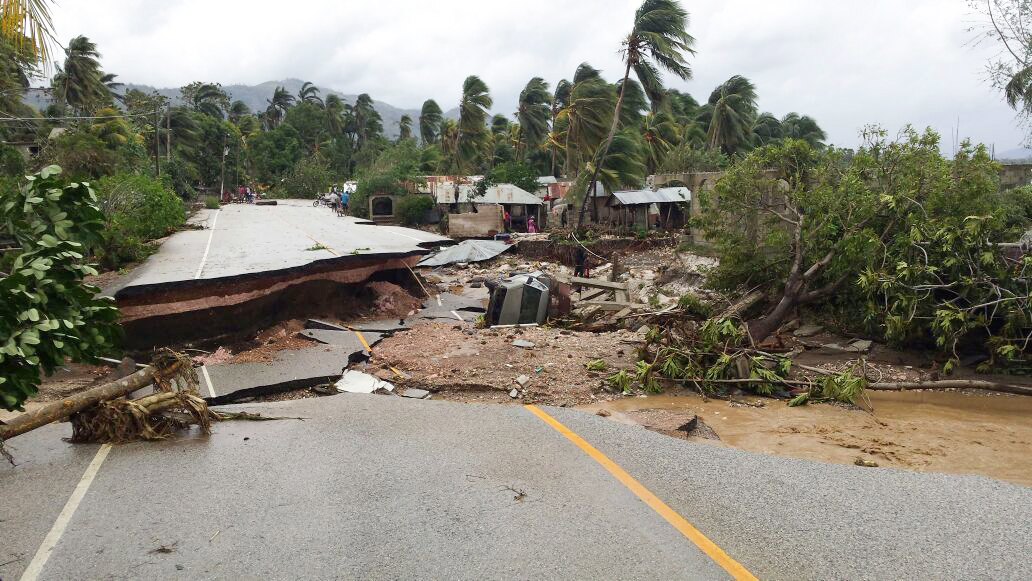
(466, 251)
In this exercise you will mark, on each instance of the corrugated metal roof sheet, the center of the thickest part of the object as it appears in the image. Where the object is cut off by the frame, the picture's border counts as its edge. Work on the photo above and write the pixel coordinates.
(662, 195)
(498, 194)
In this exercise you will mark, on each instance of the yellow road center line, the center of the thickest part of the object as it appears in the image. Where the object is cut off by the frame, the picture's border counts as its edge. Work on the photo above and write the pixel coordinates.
(362, 340)
(734, 568)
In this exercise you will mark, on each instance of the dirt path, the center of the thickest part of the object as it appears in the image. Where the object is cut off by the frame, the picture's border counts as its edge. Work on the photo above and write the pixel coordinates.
(955, 432)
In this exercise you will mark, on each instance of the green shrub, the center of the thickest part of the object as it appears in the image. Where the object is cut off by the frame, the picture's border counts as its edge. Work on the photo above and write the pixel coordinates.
(137, 209)
(12, 163)
(212, 202)
(412, 209)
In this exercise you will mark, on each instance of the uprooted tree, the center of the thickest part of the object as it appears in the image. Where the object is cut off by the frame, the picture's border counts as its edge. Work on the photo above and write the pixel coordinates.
(47, 313)
(909, 238)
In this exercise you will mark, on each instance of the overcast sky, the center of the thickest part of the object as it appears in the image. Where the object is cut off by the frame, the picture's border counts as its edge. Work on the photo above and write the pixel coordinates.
(846, 63)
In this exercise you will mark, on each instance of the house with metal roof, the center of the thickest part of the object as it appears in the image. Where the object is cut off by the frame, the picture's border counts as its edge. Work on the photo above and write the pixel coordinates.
(519, 203)
(666, 207)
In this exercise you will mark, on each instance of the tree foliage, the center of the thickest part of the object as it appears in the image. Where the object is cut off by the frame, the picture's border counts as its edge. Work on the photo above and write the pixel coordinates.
(900, 229)
(47, 313)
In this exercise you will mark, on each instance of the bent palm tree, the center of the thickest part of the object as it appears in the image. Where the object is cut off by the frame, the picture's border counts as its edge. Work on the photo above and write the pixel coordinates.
(473, 108)
(658, 136)
(533, 115)
(560, 98)
(404, 128)
(658, 40)
(429, 121)
(309, 93)
(767, 129)
(803, 127)
(731, 110)
(78, 83)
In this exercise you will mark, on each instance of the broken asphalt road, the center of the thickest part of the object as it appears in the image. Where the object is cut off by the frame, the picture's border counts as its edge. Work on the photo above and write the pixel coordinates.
(389, 487)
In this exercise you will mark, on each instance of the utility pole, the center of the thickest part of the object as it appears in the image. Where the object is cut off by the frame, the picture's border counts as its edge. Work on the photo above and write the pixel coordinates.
(222, 180)
(168, 132)
(157, 142)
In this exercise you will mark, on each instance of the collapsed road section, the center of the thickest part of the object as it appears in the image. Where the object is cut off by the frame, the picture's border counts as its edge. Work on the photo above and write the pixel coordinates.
(247, 267)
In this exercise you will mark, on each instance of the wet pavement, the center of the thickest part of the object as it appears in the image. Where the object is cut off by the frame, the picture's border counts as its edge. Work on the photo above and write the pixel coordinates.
(243, 239)
(390, 487)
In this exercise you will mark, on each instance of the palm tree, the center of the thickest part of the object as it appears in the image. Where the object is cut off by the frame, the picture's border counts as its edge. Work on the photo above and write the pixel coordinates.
(309, 93)
(533, 115)
(279, 103)
(803, 127)
(367, 121)
(334, 108)
(429, 121)
(560, 98)
(658, 40)
(108, 80)
(588, 112)
(634, 103)
(586, 72)
(26, 25)
(405, 128)
(78, 83)
(658, 136)
(210, 99)
(766, 129)
(238, 110)
(179, 126)
(473, 107)
(731, 110)
(499, 124)
(449, 135)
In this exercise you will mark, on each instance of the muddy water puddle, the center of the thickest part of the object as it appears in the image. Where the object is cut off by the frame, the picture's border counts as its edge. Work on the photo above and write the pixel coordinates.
(954, 432)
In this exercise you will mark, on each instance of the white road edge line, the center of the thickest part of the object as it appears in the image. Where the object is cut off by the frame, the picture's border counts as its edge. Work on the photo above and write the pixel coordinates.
(458, 316)
(208, 246)
(207, 381)
(36, 566)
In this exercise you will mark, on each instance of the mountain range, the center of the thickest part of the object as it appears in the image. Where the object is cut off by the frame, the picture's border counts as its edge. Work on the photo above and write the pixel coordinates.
(256, 97)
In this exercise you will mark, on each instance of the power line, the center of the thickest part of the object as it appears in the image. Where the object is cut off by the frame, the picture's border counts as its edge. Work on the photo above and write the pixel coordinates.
(74, 118)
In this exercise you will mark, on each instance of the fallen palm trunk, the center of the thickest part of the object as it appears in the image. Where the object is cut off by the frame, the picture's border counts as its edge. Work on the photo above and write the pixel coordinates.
(65, 408)
(152, 417)
(952, 384)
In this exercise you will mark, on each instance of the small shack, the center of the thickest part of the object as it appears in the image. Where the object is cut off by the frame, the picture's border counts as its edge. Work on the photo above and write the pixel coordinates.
(666, 207)
(521, 204)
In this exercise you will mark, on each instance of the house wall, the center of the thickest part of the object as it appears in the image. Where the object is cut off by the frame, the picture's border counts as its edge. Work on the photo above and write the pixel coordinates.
(484, 223)
(1013, 175)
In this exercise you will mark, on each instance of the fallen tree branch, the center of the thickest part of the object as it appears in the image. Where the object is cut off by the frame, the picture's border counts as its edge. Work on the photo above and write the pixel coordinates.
(60, 410)
(952, 384)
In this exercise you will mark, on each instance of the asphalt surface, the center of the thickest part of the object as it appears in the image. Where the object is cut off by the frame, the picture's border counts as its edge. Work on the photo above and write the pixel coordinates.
(371, 486)
(246, 239)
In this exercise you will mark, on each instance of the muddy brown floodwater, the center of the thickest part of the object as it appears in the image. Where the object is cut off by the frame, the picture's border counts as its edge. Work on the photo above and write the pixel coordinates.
(955, 432)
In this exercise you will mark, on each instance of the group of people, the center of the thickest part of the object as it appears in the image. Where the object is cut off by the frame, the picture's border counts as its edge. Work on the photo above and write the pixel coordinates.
(339, 200)
(243, 194)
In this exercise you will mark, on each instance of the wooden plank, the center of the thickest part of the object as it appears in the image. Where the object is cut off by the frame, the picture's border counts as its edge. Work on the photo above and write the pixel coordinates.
(612, 305)
(622, 313)
(594, 295)
(598, 283)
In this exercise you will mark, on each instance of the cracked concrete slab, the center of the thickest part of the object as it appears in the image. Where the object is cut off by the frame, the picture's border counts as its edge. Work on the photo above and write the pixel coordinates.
(290, 369)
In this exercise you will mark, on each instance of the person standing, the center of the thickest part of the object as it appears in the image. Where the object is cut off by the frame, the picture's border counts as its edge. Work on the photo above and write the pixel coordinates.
(344, 199)
(531, 225)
